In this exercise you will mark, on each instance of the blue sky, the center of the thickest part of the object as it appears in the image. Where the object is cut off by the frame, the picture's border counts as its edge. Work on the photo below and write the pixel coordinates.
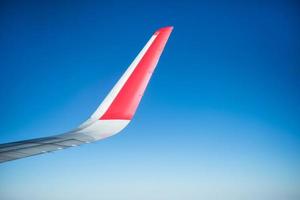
(219, 120)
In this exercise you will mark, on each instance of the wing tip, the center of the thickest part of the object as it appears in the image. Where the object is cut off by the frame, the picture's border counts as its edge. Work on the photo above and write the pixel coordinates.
(165, 29)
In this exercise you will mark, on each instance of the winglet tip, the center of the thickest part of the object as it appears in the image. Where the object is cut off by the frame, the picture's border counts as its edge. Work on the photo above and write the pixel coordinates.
(165, 29)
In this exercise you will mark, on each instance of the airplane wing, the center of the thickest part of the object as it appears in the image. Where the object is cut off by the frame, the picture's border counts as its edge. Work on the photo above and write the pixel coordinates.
(113, 114)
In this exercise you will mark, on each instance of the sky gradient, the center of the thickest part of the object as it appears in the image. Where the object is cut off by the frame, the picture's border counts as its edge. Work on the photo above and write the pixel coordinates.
(219, 120)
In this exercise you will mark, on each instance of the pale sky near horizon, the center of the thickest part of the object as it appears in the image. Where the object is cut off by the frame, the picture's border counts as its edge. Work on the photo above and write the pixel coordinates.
(219, 120)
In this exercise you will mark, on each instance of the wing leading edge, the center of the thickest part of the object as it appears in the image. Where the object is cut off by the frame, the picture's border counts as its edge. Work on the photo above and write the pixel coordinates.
(113, 114)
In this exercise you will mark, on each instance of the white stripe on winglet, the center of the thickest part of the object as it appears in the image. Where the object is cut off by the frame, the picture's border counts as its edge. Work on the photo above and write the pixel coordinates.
(116, 89)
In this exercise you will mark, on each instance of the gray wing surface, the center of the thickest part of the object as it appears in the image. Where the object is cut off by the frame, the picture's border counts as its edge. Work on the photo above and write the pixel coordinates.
(26, 148)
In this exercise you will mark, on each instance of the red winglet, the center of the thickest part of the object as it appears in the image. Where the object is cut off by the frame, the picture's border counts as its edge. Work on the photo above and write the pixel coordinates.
(127, 100)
